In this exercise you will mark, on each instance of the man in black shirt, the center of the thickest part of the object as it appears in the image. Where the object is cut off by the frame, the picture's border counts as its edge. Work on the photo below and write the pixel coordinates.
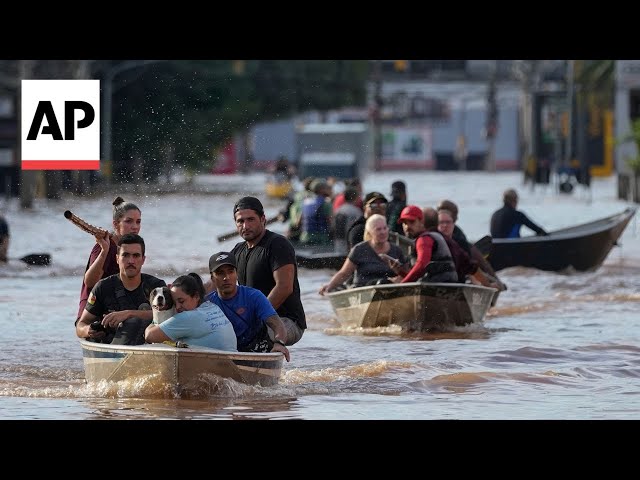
(266, 261)
(121, 301)
(374, 202)
(506, 221)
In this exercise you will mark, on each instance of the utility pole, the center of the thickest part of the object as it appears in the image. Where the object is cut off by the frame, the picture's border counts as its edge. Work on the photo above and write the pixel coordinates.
(377, 115)
(491, 128)
(568, 154)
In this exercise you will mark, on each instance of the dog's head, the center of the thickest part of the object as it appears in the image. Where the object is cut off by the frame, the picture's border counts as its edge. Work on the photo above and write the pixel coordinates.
(160, 299)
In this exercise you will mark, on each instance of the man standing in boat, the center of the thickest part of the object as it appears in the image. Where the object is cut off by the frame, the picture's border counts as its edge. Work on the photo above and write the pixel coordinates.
(506, 221)
(121, 301)
(4, 238)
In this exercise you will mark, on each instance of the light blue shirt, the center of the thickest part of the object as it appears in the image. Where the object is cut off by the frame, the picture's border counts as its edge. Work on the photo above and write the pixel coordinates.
(206, 326)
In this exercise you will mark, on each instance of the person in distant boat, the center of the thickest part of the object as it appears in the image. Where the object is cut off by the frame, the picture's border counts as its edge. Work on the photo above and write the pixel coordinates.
(395, 206)
(372, 261)
(344, 217)
(4, 239)
(339, 199)
(506, 221)
(257, 326)
(120, 302)
(283, 170)
(317, 216)
(461, 239)
(434, 262)
(197, 322)
(467, 268)
(266, 261)
(374, 202)
(102, 263)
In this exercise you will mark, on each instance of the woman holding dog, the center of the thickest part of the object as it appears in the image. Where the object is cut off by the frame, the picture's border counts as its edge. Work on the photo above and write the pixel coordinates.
(197, 321)
(102, 260)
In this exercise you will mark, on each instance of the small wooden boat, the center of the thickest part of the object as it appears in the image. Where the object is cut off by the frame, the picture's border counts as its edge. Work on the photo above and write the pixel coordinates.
(580, 248)
(416, 307)
(178, 367)
(317, 257)
(278, 187)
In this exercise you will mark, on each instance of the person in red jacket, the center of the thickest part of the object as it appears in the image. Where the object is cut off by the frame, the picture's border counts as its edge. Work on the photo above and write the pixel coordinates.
(434, 262)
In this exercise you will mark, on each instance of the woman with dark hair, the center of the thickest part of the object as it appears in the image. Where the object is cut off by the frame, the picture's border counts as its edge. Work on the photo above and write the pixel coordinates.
(102, 260)
(197, 321)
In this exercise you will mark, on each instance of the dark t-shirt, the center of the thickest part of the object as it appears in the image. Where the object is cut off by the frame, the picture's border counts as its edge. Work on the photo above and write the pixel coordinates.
(256, 266)
(369, 266)
(394, 209)
(102, 299)
(506, 223)
(461, 239)
(110, 268)
(464, 265)
(355, 234)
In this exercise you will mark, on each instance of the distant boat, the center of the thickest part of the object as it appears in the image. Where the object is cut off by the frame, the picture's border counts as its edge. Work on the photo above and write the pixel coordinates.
(181, 368)
(278, 186)
(580, 248)
(321, 256)
(415, 307)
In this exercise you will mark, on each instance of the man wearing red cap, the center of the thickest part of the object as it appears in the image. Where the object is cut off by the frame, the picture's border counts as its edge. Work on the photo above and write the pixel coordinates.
(434, 261)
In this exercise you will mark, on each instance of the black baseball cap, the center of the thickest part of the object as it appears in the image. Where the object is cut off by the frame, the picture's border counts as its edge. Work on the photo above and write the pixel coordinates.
(373, 196)
(250, 203)
(221, 258)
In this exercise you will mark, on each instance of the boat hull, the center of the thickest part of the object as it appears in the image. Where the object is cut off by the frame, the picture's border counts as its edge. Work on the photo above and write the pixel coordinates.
(581, 248)
(415, 307)
(178, 367)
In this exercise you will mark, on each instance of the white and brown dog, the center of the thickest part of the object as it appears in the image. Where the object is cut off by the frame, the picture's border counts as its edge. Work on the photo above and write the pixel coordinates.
(161, 304)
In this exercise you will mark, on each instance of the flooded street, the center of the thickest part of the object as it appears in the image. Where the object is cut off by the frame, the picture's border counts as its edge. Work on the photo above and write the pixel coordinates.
(555, 346)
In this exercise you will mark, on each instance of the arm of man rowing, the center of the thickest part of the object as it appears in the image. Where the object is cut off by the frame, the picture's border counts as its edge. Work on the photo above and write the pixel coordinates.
(284, 285)
(279, 333)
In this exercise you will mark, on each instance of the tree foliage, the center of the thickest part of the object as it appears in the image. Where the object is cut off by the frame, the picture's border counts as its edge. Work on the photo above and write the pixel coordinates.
(192, 107)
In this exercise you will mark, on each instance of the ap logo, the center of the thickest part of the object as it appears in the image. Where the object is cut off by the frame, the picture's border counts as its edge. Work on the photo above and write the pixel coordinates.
(60, 124)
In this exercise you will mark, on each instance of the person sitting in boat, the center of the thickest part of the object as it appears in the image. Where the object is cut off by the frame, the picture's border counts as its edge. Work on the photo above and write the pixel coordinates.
(4, 239)
(461, 239)
(434, 262)
(283, 171)
(102, 263)
(257, 326)
(371, 261)
(317, 216)
(121, 301)
(197, 322)
(340, 199)
(467, 268)
(395, 206)
(294, 215)
(374, 202)
(506, 221)
(344, 217)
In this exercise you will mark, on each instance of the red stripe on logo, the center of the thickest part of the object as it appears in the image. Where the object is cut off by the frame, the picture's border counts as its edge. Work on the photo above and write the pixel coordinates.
(60, 164)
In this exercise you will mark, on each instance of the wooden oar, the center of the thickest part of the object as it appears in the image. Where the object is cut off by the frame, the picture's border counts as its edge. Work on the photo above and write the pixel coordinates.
(82, 225)
(484, 245)
(230, 235)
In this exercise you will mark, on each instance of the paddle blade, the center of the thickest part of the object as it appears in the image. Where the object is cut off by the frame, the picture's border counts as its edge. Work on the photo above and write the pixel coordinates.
(484, 245)
(39, 259)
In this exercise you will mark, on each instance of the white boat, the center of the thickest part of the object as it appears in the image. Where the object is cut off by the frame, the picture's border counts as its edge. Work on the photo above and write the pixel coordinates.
(179, 367)
(416, 306)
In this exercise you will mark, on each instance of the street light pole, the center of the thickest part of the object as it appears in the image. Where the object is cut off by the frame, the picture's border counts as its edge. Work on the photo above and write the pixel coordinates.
(106, 147)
